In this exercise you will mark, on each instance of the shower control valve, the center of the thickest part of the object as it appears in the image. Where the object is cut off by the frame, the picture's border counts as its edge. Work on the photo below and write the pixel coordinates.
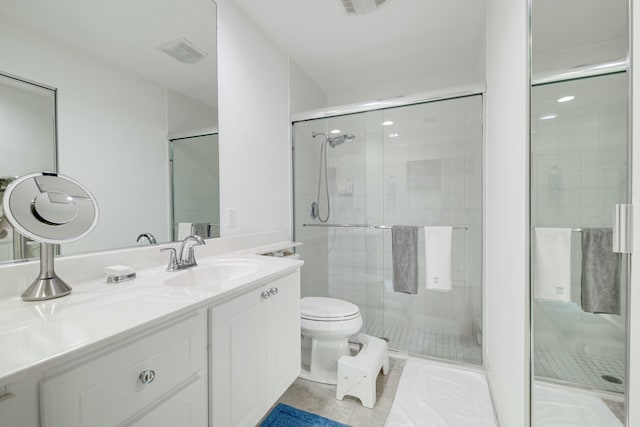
(265, 294)
(273, 291)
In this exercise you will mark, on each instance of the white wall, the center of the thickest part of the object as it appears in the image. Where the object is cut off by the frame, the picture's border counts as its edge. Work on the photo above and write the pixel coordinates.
(471, 74)
(304, 93)
(506, 211)
(189, 117)
(111, 127)
(254, 126)
(393, 89)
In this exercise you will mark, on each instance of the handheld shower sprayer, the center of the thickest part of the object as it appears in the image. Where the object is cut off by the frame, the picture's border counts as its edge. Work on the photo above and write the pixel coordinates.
(333, 142)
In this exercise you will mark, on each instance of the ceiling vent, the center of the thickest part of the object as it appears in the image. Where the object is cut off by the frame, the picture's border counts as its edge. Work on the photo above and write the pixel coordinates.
(183, 50)
(360, 7)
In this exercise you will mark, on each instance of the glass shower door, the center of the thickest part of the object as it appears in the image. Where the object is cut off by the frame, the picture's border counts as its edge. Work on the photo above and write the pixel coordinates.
(332, 184)
(432, 176)
(418, 165)
(579, 154)
(195, 186)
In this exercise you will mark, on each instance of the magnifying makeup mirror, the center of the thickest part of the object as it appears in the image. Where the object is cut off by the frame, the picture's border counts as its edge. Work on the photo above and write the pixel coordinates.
(50, 209)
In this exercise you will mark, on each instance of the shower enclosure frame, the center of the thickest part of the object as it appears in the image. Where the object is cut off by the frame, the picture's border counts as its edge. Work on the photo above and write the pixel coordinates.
(620, 66)
(405, 101)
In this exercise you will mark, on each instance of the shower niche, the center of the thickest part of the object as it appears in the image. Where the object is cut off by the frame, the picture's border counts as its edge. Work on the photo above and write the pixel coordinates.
(418, 165)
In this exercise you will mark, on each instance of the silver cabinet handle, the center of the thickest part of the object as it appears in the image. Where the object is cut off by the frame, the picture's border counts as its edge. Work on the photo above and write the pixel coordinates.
(273, 291)
(265, 294)
(147, 377)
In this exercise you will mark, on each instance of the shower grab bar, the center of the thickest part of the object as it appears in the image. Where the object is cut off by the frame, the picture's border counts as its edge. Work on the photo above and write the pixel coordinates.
(379, 227)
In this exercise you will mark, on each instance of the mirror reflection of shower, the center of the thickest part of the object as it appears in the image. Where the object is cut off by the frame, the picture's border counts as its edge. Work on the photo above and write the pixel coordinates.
(333, 142)
(4, 224)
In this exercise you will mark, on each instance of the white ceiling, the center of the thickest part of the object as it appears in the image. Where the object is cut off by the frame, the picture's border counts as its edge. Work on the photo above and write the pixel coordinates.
(409, 39)
(403, 39)
(128, 33)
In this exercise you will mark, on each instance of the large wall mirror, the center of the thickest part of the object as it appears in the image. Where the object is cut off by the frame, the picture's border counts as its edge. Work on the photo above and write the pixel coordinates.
(98, 90)
(579, 172)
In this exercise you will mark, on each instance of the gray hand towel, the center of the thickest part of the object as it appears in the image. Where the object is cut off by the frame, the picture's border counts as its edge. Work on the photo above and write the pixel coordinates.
(600, 272)
(404, 252)
(200, 229)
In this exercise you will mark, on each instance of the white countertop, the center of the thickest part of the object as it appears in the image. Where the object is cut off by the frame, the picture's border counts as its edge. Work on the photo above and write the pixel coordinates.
(34, 335)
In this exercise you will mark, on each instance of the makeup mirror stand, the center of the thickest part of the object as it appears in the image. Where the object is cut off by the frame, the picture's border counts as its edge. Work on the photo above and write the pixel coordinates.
(47, 285)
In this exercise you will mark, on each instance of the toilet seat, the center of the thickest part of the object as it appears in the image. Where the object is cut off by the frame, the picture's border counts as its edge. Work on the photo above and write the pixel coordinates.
(323, 309)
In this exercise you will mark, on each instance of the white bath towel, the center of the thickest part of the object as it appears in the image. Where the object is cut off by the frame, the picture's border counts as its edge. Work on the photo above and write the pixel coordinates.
(552, 264)
(184, 229)
(437, 252)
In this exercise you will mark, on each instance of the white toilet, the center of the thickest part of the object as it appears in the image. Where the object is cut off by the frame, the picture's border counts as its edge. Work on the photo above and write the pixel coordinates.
(327, 324)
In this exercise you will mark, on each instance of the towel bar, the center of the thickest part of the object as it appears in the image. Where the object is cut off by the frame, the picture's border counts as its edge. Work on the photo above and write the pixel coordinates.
(379, 227)
(575, 230)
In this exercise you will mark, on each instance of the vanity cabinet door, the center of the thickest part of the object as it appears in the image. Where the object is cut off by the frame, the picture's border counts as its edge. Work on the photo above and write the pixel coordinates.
(19, 403)
(283, 336)
(255, 351)
(237, 361)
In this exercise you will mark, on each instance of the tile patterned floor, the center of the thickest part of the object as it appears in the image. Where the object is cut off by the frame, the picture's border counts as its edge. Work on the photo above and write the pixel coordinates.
(428, 342)
(617, 408)
(579, 369)
(321, 399)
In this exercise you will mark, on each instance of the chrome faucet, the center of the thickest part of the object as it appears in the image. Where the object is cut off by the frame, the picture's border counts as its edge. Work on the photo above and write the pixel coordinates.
(152, 240)
(187, 258)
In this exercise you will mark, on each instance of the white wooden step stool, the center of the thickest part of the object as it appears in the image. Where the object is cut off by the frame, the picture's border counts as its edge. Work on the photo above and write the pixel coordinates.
(357, 374)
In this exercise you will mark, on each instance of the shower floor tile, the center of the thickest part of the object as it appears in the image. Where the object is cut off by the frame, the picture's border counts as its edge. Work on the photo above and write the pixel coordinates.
(424, 342)
(579, 369)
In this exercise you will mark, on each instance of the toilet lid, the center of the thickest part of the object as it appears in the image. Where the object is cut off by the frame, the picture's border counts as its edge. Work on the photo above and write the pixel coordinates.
(327, 309)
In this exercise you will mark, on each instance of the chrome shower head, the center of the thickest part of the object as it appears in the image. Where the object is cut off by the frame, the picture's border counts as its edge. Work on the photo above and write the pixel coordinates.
(336, 140)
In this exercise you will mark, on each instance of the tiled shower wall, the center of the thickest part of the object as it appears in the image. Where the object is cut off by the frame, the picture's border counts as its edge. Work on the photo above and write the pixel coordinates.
(315, 251)
(425, 169)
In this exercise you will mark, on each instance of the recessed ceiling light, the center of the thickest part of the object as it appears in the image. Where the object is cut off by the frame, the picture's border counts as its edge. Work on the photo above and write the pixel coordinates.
(548, 117)
(335, 131)
(566, 98)
(387, 123)
(393, 135)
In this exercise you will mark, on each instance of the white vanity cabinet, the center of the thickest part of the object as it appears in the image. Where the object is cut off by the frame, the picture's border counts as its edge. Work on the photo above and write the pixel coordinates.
(255, 351)
(152, 377)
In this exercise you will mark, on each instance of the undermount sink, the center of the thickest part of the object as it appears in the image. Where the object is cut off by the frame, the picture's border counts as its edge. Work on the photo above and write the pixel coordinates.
(215, 272)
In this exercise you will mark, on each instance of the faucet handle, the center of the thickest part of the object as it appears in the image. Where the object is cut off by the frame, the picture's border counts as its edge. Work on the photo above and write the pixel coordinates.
(173, 259)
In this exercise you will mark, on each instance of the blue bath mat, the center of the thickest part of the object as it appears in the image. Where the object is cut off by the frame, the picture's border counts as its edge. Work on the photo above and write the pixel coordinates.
(288, 416)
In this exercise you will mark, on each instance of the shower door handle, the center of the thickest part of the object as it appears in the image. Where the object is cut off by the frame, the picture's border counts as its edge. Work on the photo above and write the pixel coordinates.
(623, 228)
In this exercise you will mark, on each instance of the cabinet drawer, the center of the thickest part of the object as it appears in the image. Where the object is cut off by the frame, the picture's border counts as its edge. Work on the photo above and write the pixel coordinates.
(108, 390)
